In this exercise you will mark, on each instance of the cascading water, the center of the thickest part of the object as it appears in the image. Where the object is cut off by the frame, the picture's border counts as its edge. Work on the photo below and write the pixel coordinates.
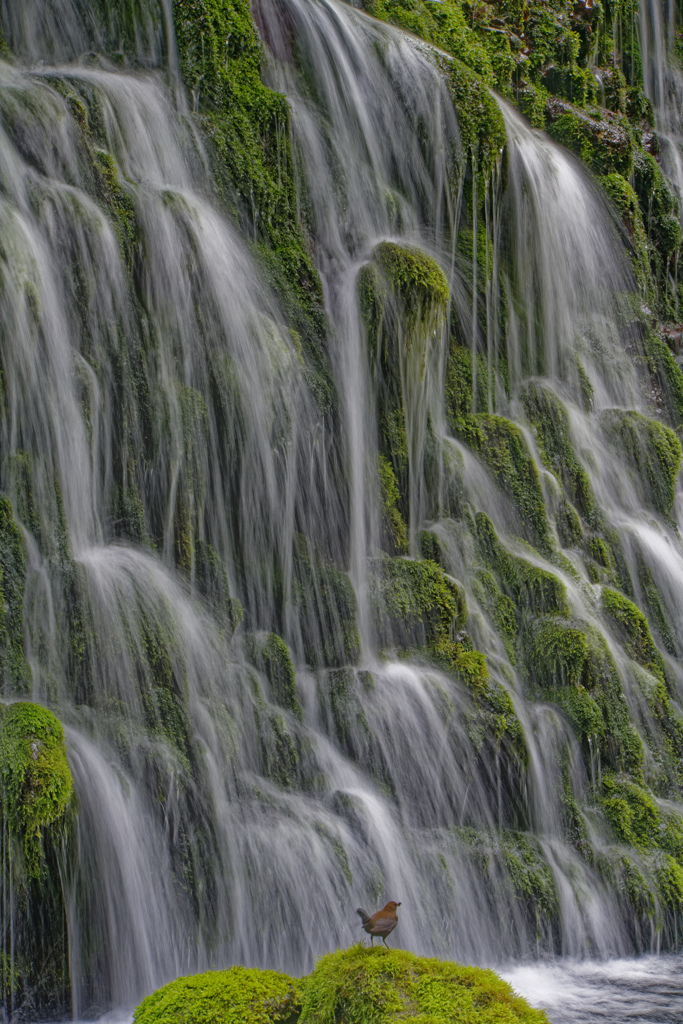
(166, 457)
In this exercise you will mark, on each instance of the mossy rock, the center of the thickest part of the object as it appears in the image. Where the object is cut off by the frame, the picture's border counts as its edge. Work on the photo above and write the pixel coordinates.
(415, 604)
(548, 415)
(633, 629)
(239, 995)
(571, 663)
(532, 589)
(604, 142)
(394, 529)
(271, 655)
(15, 673)
(652, 449)
(376, 986)
(37, 786)
(502, 447)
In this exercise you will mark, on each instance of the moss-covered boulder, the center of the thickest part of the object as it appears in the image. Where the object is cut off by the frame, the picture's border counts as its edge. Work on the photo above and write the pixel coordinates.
(652, 449)
(501, 445)
(359, 984)
(37, 786)
(239, 995)
(633, 629)
(415, 603)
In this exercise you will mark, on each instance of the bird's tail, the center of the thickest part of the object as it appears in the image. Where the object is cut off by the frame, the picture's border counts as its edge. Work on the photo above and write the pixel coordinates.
(365, 917)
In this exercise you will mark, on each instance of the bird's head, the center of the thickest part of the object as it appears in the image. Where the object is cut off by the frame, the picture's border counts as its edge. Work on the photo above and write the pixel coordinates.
(391, 906)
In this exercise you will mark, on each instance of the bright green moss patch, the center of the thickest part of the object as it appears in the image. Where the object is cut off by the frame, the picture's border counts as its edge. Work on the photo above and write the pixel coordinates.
(414, 275)
(634, 631)
(571, 663)
(415, 603)
(376, 986)
(461, 385)
(36, 780)
(240, 995)
(632, 812)
(394, 529)
(652, 449)
(501, 445)
(530, 587)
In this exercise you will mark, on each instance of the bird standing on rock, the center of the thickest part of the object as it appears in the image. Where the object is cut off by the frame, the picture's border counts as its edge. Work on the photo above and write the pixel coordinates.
(382, 923)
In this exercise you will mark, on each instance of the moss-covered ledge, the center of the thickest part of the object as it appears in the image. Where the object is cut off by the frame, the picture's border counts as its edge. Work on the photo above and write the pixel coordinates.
(37, 786)
(358, 985)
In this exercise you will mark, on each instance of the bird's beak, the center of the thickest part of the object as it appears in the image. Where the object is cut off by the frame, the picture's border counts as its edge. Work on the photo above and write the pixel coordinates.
(398, 904)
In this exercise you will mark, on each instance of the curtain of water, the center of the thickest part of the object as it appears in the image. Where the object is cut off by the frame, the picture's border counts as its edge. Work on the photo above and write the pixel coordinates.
(155, 392)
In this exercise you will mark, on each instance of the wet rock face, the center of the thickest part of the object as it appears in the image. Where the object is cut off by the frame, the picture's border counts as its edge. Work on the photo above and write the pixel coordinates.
(339, 428)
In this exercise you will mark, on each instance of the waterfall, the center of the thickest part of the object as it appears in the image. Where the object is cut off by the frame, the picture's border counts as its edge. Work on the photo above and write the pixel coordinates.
(192, 513)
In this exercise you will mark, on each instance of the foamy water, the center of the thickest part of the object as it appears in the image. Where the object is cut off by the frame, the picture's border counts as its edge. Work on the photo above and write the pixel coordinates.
(648, 989)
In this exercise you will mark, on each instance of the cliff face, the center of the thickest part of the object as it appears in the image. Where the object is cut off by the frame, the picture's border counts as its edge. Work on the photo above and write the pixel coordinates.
(340, 451)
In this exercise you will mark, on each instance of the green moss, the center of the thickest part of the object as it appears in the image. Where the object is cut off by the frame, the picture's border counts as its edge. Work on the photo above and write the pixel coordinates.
(36, 780)
(670, 881)
(500, 609)
(569, 528)
(240, 995)
(502, 447)
(531, 588)
(270, 654)
(666, 376)
(571, 664)
(480, 120)
(633, 630)
(247, 125)
(361, 985)
(14, 670)
(550, 421)
(394, 529)
(212, 583)
(632, 812)
(519, 856)
(658, 204)
(404, 299)
(460, 400)
(652, 449)
(625, 200)
(604, 142)
(415, 603)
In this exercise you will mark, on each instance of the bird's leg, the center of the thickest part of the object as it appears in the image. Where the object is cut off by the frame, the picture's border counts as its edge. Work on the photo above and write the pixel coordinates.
(384, 941)
(372, 940)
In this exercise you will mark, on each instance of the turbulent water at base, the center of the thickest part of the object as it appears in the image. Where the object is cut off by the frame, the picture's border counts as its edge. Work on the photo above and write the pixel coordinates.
(244, 832)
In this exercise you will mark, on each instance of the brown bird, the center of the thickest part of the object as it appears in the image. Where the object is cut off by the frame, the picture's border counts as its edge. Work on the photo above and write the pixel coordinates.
(382, 923)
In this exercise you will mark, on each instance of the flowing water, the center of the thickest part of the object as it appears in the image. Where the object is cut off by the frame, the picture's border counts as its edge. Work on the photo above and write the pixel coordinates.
(153, 390)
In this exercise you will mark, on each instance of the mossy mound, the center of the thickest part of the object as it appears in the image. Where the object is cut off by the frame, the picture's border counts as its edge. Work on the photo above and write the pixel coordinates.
(415, 603)
(652, 449)
(502, 447)
(240, 995)
(36, 780)
(633, 630)
(359, 985)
